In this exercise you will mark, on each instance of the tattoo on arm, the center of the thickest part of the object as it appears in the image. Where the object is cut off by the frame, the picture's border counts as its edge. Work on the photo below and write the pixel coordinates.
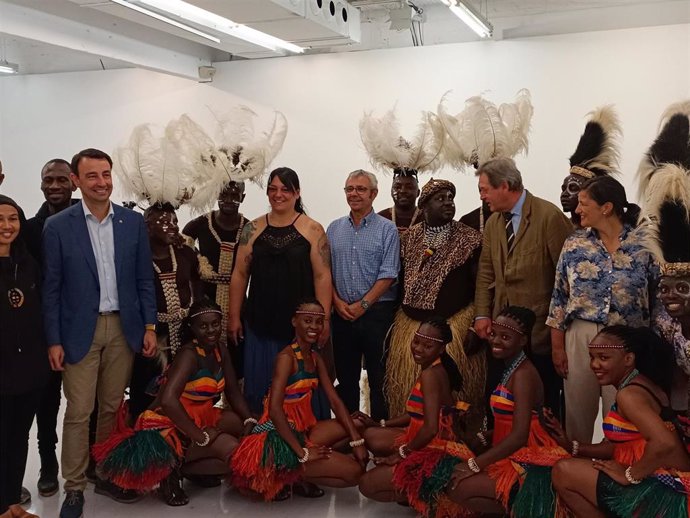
(247, 232)
(325, 250)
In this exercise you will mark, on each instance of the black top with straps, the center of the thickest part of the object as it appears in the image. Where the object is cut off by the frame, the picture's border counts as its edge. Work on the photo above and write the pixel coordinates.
(281, 275)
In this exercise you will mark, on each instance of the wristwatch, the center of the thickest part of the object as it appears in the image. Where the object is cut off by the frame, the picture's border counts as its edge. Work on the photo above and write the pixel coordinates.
(150, 327)
(364, 303)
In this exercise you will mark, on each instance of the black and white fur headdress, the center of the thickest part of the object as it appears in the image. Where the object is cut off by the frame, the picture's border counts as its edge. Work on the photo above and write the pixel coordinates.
(664, 179)
(597, 152)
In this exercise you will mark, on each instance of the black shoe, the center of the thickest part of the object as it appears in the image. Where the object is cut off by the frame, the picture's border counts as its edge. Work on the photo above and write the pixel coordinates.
(47, 481)
(73, 506)
(205, 480)
(24, 497)
(124, 496)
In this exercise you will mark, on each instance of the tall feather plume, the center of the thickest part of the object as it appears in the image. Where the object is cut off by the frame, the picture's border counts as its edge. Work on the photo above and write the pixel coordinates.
(150, 170)
(667, 148)
(598, 148)
(389, 150)
(482, 131)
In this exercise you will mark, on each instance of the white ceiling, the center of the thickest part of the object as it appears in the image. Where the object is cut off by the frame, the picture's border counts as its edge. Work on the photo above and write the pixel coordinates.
(47, 36)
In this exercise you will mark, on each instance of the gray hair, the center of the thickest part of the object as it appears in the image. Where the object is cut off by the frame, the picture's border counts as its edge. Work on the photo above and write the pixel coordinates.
(370, 176)
(499, 170)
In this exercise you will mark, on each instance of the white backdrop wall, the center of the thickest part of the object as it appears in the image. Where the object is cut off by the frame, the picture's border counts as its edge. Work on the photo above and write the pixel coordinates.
(641, 71)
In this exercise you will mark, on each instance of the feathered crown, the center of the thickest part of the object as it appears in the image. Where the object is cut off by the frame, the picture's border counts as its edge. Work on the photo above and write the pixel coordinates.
(597, 151)
(664, 176)
(238, 153)
(388, 149)
(151, 170)
(482, 131)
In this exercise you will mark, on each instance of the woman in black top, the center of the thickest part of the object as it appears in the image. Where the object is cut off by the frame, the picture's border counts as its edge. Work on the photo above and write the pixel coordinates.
(24, 364)
(286, 255)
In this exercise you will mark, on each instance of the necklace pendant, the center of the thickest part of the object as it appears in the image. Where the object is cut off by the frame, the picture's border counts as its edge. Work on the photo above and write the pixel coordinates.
(15, 297)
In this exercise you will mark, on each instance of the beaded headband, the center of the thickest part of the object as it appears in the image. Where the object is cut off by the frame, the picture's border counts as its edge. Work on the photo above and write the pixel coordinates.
(203, 311)
(675, 269)
(512, 328)
(606, 346)
(581, 171)
(432, 338)
(316, 313)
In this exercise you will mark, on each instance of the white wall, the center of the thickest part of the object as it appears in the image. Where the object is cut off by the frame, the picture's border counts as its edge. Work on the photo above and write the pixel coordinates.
(323, 96)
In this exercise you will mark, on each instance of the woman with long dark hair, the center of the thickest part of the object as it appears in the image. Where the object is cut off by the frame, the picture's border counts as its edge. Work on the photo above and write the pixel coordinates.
(605, 276)
(641, 467)
(286, 256)
(24, 367)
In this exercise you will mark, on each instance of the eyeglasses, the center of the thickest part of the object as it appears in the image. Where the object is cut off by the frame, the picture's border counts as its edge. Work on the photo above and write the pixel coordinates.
(360, 189)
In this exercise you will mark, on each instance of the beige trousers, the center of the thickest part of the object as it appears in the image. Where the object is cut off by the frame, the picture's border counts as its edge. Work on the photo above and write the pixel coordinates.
(104, 373)
(582, 390)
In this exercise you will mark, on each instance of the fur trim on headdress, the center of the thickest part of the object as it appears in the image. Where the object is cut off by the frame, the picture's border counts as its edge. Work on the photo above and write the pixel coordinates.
(151, 171)
(387, 149)
(664, 177)
(432, 187)
(597, 152)
(482, 131)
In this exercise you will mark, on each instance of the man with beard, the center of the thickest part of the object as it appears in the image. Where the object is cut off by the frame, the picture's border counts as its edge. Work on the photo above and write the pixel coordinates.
(177, 285)
(216, 234)
(57, 187)
(404, 191)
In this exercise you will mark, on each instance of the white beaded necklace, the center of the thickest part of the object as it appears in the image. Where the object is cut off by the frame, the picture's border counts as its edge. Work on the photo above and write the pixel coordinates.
(175, 313)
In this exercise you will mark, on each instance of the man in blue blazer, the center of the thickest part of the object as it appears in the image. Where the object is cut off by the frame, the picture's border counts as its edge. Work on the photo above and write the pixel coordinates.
(99, 307)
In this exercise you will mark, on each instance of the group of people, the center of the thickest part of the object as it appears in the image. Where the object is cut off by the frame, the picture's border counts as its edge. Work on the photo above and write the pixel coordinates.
(487, 343)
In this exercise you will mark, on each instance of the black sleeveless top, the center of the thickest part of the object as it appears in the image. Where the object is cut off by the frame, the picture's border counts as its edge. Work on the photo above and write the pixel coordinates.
(280, 275)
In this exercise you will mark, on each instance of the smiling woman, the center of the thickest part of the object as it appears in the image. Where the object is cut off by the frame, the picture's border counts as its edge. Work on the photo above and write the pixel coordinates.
(23, 359)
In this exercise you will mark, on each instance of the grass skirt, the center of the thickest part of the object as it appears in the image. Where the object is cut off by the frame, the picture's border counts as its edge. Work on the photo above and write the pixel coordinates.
(402, 371)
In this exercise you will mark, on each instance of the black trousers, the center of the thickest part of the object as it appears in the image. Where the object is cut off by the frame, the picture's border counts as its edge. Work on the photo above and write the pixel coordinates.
(553, 384)
(46, 419)
(16, 416)
(362, 338)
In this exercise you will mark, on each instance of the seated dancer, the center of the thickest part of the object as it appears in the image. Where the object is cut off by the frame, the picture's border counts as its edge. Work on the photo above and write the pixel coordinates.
(182, 432)
(216, 234)
(412, 449)
(177, 283)
(288, 446)
(646, 473)
(404, 191)
(439, 265)
(513, 475)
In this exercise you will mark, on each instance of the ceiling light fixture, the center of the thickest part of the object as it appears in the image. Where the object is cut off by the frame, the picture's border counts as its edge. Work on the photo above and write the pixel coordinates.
(8, 68)
(170, 21)
(473, 19)
(204, 18)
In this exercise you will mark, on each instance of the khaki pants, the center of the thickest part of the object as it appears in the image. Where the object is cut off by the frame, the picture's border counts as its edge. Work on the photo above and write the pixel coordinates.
(104, 372)
(582, 390)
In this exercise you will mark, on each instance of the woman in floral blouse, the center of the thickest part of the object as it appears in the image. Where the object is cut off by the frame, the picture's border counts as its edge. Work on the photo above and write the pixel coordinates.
(605, 276)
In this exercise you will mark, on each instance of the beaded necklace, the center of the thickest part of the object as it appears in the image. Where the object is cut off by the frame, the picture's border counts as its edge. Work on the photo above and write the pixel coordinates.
(222, 277)
(510, 369)
(412, 221)
(174, 312)
(434, 237)
(626, 381)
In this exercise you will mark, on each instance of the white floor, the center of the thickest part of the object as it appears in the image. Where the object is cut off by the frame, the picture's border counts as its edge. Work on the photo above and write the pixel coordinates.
(207, 502)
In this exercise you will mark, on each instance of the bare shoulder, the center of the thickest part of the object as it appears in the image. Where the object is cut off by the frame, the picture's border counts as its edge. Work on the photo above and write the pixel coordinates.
(252, 229)
(309, 228)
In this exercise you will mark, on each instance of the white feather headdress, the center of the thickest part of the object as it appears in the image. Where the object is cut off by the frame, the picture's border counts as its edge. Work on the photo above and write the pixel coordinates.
(389, 150)
(482, 131)
(597, 152)
(150, 169)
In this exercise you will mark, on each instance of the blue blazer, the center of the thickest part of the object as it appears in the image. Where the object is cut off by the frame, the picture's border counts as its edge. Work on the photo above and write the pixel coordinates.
(71, 291)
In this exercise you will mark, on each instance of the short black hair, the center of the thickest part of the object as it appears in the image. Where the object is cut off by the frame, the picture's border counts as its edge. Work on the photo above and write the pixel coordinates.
(56, 161)
(96, 154)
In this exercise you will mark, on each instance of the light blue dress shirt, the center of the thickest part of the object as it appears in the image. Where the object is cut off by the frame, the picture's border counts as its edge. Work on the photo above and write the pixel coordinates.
(103, 244)
(516, 211)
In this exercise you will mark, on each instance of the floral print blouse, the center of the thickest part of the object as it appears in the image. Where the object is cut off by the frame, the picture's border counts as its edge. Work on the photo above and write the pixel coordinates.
(607, 289)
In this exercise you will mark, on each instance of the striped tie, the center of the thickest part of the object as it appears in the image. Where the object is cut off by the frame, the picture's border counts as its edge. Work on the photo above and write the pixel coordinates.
(510, 233)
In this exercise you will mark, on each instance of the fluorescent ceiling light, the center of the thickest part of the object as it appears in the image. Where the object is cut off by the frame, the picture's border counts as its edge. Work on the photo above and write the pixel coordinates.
(167, 20)
(199, 16)
(470, 17)
(8, 68)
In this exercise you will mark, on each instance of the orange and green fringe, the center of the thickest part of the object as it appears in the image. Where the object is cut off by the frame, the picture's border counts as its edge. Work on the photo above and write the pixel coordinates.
(648, 499)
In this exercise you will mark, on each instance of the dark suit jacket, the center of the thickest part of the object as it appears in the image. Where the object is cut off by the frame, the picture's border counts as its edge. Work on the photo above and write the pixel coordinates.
(71, 291)
(523, 275)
